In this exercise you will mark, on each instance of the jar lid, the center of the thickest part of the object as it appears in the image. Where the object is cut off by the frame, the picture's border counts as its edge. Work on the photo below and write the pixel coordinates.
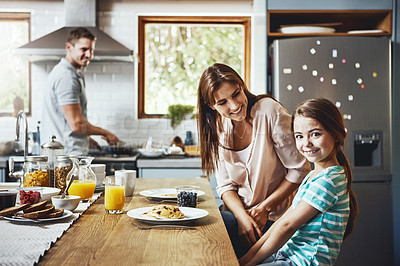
(38, 158)
(52, 144)
(63, 158)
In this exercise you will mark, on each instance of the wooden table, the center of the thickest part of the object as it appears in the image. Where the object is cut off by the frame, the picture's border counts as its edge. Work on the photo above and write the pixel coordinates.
(98, 238)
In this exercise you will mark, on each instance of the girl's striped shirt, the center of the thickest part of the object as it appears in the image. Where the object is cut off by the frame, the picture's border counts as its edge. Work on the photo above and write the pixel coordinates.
(317, 242)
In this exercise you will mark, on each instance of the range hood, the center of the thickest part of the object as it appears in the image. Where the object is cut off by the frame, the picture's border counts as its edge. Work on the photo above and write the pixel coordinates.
(78, 13)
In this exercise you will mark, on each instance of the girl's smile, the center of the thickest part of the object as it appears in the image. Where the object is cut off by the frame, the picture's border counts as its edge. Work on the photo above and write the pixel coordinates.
(314, 142)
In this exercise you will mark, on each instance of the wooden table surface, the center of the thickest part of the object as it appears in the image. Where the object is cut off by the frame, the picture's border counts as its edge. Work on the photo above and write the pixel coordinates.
(98, 238)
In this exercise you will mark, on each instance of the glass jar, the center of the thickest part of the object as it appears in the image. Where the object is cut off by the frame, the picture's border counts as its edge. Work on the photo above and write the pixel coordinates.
(52, 149)
(187, 196)
(36, 171)
(84, 182)
(62, 167)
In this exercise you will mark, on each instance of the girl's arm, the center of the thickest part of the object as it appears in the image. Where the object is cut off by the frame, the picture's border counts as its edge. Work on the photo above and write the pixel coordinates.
(279, 233)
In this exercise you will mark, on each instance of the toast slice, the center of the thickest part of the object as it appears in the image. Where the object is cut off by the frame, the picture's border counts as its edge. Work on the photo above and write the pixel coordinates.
(36, 207)
(55, 213)
(38, 214)
(15, 209)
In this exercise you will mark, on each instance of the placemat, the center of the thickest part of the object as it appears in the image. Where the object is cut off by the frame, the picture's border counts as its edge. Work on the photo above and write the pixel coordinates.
(24, 243)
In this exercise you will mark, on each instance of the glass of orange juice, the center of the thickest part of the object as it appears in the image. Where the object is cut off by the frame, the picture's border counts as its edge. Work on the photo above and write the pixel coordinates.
(114, 194)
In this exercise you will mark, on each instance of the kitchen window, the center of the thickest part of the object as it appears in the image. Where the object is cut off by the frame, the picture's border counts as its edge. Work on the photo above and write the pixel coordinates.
(14, 69)
(174, 52)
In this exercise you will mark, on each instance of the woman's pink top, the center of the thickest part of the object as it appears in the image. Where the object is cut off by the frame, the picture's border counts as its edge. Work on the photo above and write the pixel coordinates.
(273, 157)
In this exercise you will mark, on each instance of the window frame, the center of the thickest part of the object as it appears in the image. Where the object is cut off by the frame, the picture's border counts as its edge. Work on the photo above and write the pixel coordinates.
(143, 20)
(21, 16)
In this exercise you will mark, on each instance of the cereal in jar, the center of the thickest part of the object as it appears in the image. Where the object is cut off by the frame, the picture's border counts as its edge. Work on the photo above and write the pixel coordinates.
(62, 168)
(36, 172)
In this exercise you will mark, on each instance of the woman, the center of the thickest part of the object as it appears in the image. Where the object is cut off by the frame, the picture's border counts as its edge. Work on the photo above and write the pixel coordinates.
(246, 141)
(324, 208)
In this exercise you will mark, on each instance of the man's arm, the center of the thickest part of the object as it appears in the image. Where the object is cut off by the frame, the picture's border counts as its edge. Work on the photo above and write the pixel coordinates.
(80, 125)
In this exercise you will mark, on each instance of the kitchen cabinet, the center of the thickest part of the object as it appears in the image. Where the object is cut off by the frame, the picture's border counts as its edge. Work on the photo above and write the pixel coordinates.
(329, 5)
(343, 21)
(169, 172)
(179, 168)
(164, 167)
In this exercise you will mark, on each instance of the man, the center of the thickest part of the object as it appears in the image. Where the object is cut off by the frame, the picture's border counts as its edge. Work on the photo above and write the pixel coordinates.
(65, 106)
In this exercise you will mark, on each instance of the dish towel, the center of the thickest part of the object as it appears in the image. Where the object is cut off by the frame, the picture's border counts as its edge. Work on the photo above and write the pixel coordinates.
(23, 243)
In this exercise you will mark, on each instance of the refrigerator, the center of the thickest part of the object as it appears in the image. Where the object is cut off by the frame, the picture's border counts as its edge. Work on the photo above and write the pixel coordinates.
(354, 72)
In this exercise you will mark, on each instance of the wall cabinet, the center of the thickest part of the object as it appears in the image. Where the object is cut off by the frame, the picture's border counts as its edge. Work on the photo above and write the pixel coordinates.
(329, 5)
(343, 22)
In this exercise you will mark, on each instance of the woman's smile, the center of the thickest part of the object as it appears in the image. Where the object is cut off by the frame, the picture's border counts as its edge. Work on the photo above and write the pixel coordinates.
(230, 102)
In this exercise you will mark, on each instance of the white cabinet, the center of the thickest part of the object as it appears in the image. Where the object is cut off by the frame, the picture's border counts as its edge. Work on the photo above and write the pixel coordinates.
(164, 167)
(169, 172)
(178, 168)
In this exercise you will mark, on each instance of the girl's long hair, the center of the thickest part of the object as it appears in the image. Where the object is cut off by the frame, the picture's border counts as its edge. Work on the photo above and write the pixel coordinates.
(209, 121)
(329, 116)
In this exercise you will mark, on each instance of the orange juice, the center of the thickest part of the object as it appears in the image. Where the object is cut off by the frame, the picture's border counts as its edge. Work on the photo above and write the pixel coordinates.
(83, 189)
(114, 198)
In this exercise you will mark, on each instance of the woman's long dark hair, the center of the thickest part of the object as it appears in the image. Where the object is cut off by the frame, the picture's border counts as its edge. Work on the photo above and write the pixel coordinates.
(209, 121)
(329, 116)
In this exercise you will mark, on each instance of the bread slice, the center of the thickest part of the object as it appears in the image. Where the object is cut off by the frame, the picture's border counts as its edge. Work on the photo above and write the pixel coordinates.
(55, 213)
(15, 209)
(38, 214)
(36, 207)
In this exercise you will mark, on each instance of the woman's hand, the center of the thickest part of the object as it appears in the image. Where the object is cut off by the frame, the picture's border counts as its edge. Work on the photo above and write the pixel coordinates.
(259, 215)
(248, 230)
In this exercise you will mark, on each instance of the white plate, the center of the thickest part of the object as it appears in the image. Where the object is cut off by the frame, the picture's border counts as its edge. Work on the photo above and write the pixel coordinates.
(364, 31)
(164, 193)
(151, 153)
(66, 214)
(306, 29)
(190, 215)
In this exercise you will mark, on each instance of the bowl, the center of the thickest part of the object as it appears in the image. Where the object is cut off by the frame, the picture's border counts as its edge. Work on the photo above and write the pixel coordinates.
(151, 153)
(45, 192)
(8, 198)
(70, 202)
(48, 192)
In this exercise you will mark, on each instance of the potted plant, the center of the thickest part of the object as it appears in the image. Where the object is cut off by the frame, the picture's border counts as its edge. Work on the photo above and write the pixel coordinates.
(178, 112)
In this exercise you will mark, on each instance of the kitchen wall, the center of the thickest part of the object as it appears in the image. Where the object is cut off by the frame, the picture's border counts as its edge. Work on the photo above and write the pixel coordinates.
(112, 87)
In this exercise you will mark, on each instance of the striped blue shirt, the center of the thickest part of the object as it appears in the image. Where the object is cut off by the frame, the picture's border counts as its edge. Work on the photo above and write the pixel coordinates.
(317, 242)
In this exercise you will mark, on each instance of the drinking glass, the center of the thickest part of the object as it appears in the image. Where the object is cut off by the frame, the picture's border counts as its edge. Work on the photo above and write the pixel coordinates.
(114, 194)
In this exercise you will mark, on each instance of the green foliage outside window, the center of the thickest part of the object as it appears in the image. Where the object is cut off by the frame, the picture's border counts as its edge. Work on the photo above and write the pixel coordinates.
(14, 69)
(177, 55)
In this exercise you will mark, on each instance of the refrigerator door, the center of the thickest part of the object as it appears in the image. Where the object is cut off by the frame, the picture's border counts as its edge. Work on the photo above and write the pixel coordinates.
(354, 73)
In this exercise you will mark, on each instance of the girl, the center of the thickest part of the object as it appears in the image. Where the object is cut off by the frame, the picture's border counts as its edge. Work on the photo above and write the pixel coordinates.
(247, 142)
(312, 230)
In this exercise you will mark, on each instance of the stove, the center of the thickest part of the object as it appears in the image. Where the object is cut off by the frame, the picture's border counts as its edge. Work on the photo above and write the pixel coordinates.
(115, 161)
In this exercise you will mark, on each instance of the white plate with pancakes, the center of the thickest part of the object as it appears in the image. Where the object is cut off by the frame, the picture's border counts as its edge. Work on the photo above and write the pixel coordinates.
(164, 193)
(190, 214)
(66, 214)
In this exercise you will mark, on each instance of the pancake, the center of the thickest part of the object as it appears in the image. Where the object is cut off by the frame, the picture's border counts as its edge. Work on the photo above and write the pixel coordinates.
(166, 212)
